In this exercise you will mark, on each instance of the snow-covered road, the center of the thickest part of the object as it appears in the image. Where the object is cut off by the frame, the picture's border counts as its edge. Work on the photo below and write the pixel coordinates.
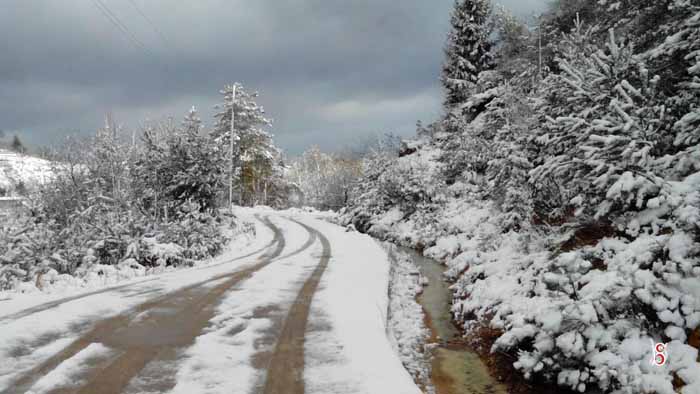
(300, 309)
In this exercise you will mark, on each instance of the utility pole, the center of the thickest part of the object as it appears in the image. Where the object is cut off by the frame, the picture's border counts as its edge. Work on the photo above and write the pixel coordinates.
(233, 118)
(539, 52)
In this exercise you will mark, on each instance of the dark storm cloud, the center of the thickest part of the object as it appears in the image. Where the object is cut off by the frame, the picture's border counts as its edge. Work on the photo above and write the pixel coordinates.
(329, 72)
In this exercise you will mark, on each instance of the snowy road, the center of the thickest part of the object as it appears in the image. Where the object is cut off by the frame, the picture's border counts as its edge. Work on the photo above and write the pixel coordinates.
(301, 309)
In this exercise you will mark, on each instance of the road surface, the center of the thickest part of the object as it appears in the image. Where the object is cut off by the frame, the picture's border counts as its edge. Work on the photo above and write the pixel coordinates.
(302, 309)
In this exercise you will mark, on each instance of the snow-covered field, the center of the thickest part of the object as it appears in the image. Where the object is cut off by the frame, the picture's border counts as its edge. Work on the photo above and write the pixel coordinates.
(18, 169)
(347, 347)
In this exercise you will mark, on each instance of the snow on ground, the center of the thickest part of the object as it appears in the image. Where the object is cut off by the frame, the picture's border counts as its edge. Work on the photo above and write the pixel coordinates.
(353, 302)
(16, 168)
(67, 375)
(406, 317)
(220, 359)
(348, 345)
(34, 338)
(347, 348)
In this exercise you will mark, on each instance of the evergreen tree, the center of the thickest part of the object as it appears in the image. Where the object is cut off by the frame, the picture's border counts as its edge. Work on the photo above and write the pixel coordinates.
(192, 124)
(107, 160)
(468, 50)
(678, 59)
(603, 127)
(177, 165)
(195, 165)
(17, 145)
(149, 182)
(254, 151)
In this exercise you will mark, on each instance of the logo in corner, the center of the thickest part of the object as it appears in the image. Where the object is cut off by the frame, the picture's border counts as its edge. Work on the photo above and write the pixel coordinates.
(659, 354)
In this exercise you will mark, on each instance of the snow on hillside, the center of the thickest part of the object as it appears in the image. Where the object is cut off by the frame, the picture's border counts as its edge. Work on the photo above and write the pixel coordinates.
(17, 169)
(590, 311)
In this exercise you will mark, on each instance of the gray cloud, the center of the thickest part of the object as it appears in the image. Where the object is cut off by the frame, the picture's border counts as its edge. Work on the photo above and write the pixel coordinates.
(329, 72)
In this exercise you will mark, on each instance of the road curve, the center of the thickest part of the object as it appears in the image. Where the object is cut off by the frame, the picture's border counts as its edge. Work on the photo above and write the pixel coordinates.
(56, 303)
(150, 330)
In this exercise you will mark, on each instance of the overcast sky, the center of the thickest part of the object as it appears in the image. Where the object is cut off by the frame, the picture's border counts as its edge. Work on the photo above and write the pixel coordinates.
(329, 72)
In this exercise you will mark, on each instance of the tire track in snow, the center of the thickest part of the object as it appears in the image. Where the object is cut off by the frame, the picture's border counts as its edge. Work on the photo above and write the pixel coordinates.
(152, 379)
(306, 245)
(54, 304)
(285, 372)
(171, 321)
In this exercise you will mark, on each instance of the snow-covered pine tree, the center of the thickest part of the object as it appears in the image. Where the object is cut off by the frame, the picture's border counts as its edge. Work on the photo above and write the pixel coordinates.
(254, 150)
(197, 165)
(603, 127)
(516, 49)
(507, 121)
(679, 57)
(192, 122)
(107, 159)
(176, 166)
(468, 50)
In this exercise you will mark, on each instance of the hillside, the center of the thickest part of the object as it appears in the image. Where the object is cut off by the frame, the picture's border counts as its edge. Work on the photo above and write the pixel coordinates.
(561, 189)
(19, 171)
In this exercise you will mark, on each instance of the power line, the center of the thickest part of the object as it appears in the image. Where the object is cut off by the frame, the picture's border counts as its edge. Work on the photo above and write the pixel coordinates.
(119, 24)
(150, 22)
(114, 19)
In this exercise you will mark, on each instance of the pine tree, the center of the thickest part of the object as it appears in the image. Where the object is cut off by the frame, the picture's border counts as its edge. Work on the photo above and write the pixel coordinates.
(195, 165)
(254, 150)
(192, 123)
(468, 51)
(176, 166)
(678, 57)
(603, 127)
(107, 159)
(17, 145)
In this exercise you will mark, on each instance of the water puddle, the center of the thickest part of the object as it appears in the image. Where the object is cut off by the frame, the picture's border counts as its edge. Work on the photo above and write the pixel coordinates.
(456, 369)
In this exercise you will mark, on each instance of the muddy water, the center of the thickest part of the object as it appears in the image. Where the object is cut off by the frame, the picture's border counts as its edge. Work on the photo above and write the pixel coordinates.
(455, 368)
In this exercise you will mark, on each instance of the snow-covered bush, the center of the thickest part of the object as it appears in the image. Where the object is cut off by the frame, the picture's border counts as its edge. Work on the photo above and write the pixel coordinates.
(198, 233)
(105, 235)
(587, 317)
(104, 208)
(604, 126)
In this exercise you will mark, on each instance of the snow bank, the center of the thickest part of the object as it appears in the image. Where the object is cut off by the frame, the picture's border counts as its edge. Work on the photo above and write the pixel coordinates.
(406, 323)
